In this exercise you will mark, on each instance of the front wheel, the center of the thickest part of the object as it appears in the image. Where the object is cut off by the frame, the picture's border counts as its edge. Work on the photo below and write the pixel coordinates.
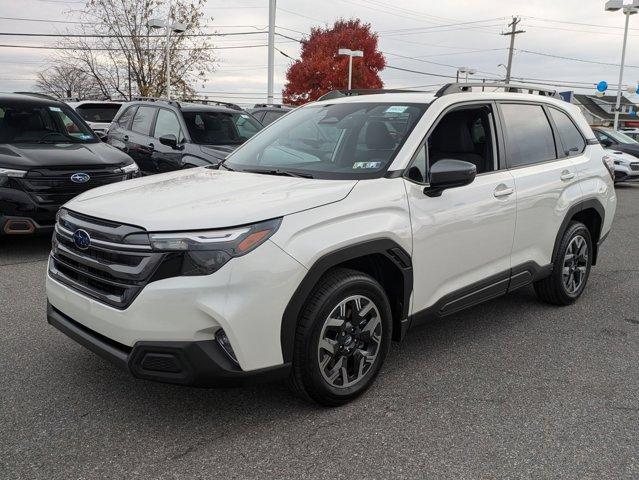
(342, 338)
(571, 267)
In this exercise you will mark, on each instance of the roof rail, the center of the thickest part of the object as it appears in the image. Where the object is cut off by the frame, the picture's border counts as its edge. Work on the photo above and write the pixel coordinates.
(508, 87)
(206, 101)
(38, 94)
(363, 91)
(156, 99)
(274, 105)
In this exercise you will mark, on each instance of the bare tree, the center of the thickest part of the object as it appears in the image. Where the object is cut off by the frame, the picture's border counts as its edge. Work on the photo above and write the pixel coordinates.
(65, 80)
(124, 56)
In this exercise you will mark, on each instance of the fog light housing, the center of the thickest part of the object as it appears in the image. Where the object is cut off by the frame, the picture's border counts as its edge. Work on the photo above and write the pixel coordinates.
(223, 341)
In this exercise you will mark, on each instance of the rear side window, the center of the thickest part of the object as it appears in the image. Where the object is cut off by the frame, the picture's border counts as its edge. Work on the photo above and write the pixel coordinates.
(143, 120)
(529, 137)
(572, 141)
(124, 119)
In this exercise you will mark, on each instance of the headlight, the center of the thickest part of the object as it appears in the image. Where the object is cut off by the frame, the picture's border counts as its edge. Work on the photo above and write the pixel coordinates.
(206, 252)
(610, 165)
(128, 168)
(7, 172)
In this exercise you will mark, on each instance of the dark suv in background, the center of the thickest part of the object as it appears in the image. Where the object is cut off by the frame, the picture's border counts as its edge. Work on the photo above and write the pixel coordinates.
(48, 155)
(267, 114)
(165, 135)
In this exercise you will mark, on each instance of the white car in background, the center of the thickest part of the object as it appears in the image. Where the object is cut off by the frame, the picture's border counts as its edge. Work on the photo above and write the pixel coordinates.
(626, 166)
(98, 114)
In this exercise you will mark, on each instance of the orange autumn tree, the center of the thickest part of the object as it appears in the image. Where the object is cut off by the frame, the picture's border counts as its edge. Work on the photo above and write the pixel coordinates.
(320, 69)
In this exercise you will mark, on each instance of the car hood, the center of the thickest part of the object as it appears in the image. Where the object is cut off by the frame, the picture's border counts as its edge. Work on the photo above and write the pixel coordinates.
(26, 156)
(621, 157)
(626, 148)
(204, 198)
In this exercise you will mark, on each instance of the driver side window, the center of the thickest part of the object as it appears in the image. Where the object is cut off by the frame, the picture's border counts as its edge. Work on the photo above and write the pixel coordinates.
(465, 133)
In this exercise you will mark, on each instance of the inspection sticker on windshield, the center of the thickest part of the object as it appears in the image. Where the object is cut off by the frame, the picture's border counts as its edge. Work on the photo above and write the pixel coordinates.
(396, 109)
(55, 109)
(366, 165)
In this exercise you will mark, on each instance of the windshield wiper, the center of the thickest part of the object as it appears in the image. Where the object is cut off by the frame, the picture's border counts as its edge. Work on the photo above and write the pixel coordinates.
(278, 171)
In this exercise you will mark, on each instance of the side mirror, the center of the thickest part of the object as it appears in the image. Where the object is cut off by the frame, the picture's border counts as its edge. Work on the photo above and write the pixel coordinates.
(103, 136)
(449, 173)
(169, 140)
(606, 142)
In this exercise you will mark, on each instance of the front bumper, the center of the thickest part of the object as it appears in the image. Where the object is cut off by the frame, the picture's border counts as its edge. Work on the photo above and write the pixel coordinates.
(246, 298)
(626, 174)
(194, 363)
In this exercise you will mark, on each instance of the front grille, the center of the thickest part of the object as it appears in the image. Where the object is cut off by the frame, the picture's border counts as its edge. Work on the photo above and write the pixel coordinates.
(53, 186)
(114, 268)
(634, 166)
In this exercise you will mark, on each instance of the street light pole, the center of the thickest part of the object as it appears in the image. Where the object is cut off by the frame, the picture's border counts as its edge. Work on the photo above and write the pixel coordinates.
(175, 27)
(168, 53)
(351, 54)
(629, 8)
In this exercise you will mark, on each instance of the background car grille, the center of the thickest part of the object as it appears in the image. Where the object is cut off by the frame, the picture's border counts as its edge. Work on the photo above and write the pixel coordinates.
(634, 166)
(115, 267)
(53, 186)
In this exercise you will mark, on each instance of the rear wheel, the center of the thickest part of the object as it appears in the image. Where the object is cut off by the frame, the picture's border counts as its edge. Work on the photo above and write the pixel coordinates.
(342, 338)
(571, 267)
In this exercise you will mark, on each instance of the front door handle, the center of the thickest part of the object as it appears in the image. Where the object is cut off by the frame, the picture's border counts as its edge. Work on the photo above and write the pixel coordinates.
(567, 175)
(503, 191)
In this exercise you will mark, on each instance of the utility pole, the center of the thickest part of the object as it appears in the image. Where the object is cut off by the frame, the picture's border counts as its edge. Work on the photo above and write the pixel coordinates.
(271, 51)
(512, 33)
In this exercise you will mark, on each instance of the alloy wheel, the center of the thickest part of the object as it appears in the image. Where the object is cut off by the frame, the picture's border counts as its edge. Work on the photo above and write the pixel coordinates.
(350, 341)
(575, 264)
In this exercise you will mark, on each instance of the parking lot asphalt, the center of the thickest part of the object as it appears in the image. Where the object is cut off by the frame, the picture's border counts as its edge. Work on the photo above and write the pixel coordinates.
(509, 389)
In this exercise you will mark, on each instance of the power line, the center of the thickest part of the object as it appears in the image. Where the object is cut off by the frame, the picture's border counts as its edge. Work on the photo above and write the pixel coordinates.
(574, 59)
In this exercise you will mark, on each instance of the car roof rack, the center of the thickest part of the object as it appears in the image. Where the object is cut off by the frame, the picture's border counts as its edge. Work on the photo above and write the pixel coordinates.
(362, 91)
(206, 101)
(450, 88)
(156, 99)
(38, 94)
(274, 105)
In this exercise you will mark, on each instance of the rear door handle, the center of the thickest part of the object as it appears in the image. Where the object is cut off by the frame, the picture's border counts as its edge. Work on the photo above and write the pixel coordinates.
(567, 175)
(503, 191)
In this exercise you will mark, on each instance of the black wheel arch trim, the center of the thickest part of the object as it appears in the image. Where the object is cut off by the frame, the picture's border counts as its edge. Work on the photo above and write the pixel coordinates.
(384, 246)
(574, 210)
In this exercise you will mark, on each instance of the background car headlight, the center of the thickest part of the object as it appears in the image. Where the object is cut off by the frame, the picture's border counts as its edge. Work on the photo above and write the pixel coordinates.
(7, 172)
(132, 168)
(206, 252)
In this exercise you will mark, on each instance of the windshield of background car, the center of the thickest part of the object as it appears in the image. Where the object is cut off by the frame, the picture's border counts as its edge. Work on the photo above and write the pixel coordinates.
(27, 122)
(98, 112)
(343, 140)
(220, 128)
(621, 137)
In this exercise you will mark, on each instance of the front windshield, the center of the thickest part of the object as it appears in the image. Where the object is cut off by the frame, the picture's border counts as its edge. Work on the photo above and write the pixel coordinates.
(28, 122)
(621, 137)
(98, 112)
(343, 140)
(220, 128)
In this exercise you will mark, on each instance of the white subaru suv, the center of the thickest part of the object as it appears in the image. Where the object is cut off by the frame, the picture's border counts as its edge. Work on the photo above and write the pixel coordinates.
(335, 230)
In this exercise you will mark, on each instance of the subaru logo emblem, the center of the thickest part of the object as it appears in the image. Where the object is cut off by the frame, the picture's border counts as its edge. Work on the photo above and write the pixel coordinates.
(80, 178)
(81, 239)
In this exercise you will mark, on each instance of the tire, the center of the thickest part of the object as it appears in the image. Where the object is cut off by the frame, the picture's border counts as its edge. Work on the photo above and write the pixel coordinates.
(364, 341)
(557, 289)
